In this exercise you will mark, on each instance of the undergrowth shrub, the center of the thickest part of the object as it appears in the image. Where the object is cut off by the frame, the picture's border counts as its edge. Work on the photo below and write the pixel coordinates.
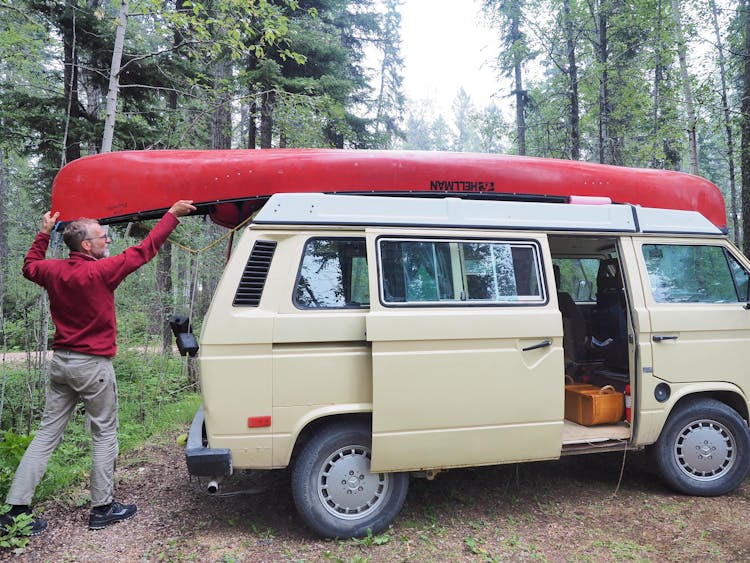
(15, 536)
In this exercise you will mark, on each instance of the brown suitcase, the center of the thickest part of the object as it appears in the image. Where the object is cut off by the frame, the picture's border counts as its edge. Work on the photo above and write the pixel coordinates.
(589, 405)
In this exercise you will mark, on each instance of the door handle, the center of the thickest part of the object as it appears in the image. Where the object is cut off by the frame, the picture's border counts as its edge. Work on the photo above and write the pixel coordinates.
(660, 338)
(542, 344)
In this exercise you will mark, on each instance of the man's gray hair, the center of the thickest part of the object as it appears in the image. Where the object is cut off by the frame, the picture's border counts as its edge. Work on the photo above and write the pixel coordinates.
(76, 231)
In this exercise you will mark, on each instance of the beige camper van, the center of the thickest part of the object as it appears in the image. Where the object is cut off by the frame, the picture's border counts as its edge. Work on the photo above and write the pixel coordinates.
(365, 340)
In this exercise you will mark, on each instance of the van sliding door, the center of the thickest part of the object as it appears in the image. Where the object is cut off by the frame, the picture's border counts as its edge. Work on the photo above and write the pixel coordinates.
(466, 350)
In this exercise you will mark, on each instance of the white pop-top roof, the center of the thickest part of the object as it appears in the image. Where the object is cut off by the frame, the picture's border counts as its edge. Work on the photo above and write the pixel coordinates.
(455, 212)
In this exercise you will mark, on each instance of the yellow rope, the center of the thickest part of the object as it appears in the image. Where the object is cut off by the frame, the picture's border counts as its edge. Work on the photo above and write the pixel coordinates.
(214, 243)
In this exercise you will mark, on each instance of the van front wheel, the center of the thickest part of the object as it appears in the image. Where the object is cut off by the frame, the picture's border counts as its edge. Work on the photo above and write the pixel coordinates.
(704, 449)
(335, 493)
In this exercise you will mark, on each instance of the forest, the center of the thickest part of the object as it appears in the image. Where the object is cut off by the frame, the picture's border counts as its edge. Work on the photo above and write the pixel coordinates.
(640, 83)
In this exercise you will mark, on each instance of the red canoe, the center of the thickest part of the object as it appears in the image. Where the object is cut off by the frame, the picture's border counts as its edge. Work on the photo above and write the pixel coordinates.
(231, 184)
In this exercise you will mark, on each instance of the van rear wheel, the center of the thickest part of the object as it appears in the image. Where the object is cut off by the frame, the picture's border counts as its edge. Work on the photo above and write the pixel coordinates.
(333, 489)
(704, 449)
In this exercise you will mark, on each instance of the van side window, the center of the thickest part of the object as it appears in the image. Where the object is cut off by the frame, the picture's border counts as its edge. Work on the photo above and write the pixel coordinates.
(333, 275)
(457, 272)
(694, 274)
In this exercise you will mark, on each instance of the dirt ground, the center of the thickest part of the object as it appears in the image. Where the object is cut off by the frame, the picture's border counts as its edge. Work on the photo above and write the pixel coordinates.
(570, 510)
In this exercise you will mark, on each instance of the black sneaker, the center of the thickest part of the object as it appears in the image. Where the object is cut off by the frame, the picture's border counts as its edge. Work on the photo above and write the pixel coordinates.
(103, 516)
(38, 525)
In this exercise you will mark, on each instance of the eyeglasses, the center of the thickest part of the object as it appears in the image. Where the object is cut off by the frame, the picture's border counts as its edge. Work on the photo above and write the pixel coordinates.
(106, 237)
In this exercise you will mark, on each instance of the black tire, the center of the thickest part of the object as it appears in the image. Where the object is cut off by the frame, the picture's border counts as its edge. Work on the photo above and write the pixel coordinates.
(333, 489)
(703, 449)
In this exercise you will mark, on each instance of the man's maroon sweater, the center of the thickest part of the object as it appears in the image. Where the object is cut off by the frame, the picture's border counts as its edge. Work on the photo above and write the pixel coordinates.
(82, 289)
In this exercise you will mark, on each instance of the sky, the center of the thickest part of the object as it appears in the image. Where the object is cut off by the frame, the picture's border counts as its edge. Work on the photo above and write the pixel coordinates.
(446, 45)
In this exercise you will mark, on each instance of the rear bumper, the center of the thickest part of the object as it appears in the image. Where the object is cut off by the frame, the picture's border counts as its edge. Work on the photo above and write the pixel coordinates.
(203, 461)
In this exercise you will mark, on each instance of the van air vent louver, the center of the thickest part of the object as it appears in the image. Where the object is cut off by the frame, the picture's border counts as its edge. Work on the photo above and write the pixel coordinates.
(254, 277)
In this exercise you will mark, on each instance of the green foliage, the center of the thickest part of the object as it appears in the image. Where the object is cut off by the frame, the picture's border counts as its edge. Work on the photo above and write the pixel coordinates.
(302, 119)
(23, 396)
(12, 448)
(371, 540)
(491, 128)
(6, 477)
(15, 537)
(313, 104)
(15, 334)
(474, 546)
(463, 111)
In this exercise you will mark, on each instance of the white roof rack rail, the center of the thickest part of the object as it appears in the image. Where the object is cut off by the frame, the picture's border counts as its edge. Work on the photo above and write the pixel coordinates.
(451, 212)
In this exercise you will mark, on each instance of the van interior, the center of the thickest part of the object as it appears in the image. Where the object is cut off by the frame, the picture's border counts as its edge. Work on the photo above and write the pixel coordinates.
(593, 300)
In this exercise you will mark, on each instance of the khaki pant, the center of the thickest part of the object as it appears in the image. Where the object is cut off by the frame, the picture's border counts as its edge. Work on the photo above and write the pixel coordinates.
(74, 377)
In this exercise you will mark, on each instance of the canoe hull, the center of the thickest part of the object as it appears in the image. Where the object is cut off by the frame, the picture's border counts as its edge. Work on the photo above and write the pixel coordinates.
(230, 185)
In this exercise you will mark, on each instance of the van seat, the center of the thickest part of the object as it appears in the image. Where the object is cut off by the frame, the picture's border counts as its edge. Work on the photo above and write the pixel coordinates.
(609, 320)
(574, 327)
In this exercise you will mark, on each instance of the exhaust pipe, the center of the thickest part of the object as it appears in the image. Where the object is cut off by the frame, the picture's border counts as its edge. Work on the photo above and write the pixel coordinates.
(213, 486)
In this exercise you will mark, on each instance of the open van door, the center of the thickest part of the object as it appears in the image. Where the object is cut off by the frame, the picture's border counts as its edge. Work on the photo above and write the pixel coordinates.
(466, 349)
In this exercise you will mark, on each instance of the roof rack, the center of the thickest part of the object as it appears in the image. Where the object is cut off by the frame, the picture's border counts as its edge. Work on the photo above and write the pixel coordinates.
(459, 212)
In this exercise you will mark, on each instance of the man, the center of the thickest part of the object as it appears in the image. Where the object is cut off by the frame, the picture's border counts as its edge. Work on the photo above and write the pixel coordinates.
(82, 303)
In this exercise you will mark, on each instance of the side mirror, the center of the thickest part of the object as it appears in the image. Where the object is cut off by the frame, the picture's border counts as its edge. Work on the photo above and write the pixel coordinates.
(187, 344)
(180, 323)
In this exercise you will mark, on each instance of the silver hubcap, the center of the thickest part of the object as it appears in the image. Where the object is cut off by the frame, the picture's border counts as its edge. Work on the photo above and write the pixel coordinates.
(705, 450)
(346, 487)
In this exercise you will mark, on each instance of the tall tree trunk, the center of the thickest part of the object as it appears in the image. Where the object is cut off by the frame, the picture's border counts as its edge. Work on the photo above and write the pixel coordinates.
(380, 99)
(114, 78)
(664, 153)
(221, 123)
(745, 127)
(514, 51)
(520, 110)
(518, 87)
(93, 91)
(164, 285)
(687, 90)
(71, 147)
(658, 79)
(574, 117)
(164, 296)
(252, 124)
(178, 39)
(605, 154)
(266, 118)
(3, 262)
(3, 237)
(389, 102)
(727, 125)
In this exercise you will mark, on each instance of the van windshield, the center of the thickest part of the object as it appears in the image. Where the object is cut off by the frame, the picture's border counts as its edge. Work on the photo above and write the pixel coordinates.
(694, 274)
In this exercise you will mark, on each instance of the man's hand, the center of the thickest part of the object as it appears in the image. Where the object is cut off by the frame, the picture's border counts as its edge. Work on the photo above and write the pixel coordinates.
(182, 207)
(49, 221)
